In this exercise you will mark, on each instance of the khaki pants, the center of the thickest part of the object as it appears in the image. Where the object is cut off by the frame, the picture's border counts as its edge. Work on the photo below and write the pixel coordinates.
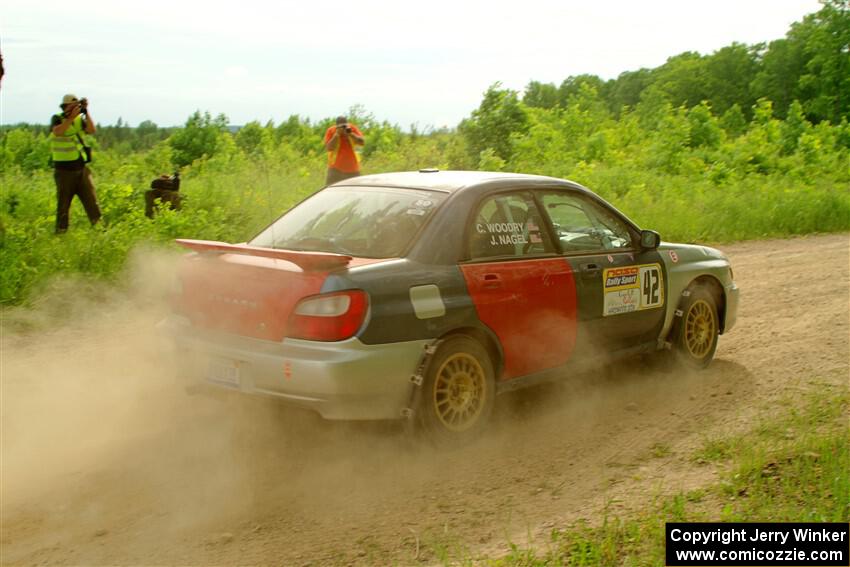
(74, 182)
(335, 175)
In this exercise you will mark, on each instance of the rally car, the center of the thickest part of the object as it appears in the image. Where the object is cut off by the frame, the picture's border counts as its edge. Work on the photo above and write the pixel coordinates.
(422, 295)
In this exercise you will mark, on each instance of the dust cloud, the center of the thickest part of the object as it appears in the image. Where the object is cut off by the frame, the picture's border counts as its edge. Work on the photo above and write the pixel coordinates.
(98, 429)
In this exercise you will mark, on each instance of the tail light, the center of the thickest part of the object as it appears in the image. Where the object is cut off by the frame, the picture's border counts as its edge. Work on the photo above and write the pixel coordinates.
(328, 317)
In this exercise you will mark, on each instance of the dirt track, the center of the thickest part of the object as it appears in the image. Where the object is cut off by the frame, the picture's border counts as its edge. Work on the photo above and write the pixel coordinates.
(106, 459)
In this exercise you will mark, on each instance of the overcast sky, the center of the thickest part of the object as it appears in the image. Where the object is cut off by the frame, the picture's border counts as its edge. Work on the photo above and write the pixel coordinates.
(407, 62)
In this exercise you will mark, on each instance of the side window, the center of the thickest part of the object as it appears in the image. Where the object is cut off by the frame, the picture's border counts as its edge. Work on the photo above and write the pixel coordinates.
(583, 225)
(508, 225)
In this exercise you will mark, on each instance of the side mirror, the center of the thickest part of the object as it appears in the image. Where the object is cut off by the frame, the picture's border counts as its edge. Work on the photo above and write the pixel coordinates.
(649, 239)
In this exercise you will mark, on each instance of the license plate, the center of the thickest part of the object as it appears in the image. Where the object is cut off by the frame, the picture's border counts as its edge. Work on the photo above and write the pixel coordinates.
(224, 372)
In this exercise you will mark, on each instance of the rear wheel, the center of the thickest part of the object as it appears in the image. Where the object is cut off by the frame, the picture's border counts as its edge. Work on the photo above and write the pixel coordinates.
(699, 328)
(458, 391)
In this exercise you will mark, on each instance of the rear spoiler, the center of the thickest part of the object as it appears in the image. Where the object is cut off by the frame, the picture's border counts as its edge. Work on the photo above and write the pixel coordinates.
(304, 260)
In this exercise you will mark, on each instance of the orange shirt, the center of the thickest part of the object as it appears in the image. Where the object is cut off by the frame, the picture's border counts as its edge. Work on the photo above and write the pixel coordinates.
(344, 158)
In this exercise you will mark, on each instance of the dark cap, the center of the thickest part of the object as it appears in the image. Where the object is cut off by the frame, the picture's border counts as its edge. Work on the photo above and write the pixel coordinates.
(341, 119)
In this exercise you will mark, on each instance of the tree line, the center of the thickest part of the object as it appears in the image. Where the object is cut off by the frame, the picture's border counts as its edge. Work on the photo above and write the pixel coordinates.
(811, 65)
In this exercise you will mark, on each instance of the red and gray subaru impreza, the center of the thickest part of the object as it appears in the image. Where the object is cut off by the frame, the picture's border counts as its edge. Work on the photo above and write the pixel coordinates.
(422, 295)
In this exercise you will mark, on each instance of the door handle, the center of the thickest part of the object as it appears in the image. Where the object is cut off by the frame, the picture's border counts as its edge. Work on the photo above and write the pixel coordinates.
(590, 269)
(492, 281)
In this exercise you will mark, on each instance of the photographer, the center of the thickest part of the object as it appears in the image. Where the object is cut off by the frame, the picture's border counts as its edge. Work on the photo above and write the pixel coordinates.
(70, 154)
(343, 161)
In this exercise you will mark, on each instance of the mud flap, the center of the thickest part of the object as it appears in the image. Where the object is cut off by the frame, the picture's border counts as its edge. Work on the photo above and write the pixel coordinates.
(664, 359)
(416, 381)
(672, 335)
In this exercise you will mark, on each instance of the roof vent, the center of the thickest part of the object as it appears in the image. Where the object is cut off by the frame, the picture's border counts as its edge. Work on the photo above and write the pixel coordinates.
(429, 170)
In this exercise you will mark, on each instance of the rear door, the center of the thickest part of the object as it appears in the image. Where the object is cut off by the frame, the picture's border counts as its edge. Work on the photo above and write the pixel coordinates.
(521, 287)
(621, 288)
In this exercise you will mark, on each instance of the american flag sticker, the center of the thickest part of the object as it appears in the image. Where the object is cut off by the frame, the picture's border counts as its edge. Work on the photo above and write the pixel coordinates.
(531, 226)
(535, 238)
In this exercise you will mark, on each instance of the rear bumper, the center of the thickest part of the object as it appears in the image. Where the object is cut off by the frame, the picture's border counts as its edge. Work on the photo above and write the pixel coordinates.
(339, 380)
(732, 298)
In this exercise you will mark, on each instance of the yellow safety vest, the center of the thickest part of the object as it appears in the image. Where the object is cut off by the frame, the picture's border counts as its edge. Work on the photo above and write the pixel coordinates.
(67, 147)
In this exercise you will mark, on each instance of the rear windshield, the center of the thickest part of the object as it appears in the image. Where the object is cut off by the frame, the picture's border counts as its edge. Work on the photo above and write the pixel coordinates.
(366, 222)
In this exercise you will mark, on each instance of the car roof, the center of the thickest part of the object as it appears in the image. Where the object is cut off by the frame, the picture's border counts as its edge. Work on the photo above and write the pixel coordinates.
(450, 181)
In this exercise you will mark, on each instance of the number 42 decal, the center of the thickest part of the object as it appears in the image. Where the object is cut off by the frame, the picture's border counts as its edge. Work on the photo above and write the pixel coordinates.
(652, 290)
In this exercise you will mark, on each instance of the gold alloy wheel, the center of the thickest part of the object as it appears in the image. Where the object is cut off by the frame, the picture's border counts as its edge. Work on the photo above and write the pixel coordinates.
(460, 390)
(700, 329)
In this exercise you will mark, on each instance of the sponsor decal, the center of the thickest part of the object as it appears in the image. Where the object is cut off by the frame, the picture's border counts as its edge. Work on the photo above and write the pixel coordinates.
(674, 257)
(632, 288)
(621, 301)
(287, 369)
(621, 277)
(610, 259)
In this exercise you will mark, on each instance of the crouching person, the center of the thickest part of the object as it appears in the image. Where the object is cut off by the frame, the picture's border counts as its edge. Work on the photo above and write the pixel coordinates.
(166, 189)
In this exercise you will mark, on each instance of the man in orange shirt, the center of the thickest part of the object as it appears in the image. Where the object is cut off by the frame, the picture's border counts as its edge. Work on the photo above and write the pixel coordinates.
(343, 161)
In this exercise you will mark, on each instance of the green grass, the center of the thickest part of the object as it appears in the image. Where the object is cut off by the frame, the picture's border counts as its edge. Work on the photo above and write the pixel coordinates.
(791, 468)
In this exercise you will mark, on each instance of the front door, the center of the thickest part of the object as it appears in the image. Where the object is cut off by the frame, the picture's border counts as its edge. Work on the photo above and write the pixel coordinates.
(622, 289)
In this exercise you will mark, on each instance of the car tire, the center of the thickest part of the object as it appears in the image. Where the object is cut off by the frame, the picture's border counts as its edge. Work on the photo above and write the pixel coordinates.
(698, 329)
(458, 391)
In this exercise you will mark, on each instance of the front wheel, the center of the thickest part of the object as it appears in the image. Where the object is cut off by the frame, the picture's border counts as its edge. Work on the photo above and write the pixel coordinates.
(458, 392)
(699, 328)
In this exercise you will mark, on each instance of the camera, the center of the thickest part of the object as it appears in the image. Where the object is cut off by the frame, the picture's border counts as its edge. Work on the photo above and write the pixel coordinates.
(84, 105)
(345, 128)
